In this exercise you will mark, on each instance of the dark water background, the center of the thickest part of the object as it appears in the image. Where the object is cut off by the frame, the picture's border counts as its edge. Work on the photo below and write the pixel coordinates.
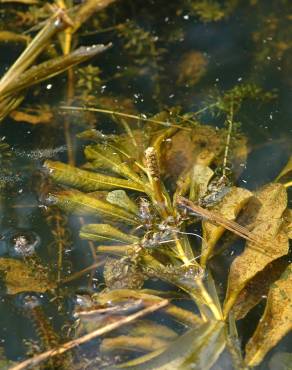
(231, 55)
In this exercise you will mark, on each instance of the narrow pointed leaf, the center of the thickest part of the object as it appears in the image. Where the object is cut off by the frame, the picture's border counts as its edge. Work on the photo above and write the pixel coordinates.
(267, 225)
(102, 156)
(83, 204)
(276, 321)
(86, 180)
(105, 232)
(197, 349)
(287, 170)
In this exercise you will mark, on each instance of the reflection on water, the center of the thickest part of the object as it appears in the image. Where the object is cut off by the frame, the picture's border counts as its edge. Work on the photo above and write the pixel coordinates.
(165, 56)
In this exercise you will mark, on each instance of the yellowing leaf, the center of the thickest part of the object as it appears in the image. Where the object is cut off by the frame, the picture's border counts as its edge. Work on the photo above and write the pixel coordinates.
(20, 277)
(268, 223)
(87, 180)
(105, 232)
(229, 207)
(84, 204)
(276, 321)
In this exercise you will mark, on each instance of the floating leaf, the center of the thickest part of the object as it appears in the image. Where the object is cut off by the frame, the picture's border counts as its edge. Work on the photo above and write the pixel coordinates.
(121, 199)
(86, 180)
(267, 225)
(276, 321)
(20, 277)
(83, 204)
(257, 288)
(229, 207)
(105, 232)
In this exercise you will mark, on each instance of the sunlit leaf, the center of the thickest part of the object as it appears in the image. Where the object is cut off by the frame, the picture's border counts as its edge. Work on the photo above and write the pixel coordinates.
(121, 199)
(52, 67)
(19, 277)
(200, 177)
(105, 232)
(276, 321)
(83, 204)
(267, 225)
(229, 207)
(86, 180)
(103, 156)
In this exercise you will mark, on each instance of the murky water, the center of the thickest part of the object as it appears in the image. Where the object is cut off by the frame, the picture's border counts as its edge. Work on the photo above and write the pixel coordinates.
(239, 49)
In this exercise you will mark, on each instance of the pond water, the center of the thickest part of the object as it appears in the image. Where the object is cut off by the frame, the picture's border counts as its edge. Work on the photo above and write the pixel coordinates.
(164, 55)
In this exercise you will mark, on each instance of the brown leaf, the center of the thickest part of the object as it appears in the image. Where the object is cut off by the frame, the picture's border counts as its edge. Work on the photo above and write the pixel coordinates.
(276, 321)
(20, 277)
(257, 288)
(267, 226)
(229, 208)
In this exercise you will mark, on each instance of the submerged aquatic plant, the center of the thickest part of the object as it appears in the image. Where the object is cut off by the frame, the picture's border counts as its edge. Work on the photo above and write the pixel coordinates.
(153, 236)
(156, 199)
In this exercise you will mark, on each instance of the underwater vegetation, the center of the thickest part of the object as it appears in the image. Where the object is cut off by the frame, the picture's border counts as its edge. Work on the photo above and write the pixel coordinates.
(147, 250)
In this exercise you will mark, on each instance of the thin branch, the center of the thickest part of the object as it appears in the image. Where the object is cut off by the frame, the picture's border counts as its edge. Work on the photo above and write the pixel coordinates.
(121, 114)
(76, 342)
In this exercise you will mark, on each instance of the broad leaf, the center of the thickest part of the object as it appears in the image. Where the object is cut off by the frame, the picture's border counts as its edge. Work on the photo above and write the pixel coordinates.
(86, 180)
(268, 226)
(83, 204)
(257, 288)
(121, 199)
(276, 321)
(229, 207)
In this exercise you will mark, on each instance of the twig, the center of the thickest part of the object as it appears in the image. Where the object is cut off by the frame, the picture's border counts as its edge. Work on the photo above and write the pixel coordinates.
(121, 114)
(76, 342)
(218, 219)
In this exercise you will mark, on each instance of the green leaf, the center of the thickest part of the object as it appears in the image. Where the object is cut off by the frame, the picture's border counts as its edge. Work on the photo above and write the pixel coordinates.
(197, 349)
(103, 156)
(86, 180)
(83, 204)
(229, 207)
(268, 206)
(276, 321)
(51, 68)
(105, 232)
(121, 199)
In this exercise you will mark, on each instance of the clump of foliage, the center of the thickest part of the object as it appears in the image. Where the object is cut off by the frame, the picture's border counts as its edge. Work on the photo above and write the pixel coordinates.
(156, 197)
